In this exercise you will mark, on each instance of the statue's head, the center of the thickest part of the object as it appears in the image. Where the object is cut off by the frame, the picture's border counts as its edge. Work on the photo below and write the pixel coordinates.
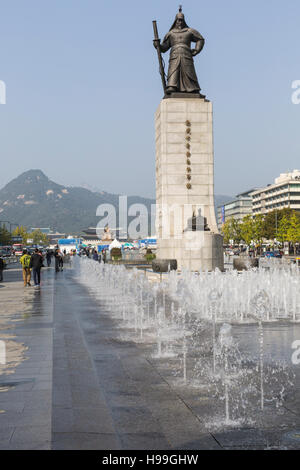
(179, 22)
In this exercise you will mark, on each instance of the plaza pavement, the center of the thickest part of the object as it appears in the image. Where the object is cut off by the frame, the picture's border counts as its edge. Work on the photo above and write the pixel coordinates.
(69, 383)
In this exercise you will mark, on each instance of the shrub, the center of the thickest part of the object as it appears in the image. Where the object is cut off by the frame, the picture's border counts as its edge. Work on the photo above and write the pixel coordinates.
(116, 253)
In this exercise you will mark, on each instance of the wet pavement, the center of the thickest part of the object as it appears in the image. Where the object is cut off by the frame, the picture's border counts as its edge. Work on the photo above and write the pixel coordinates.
(71, 382)
(26, 327)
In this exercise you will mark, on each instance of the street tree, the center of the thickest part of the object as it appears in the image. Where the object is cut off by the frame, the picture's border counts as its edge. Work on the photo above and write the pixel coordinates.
(247, 229)
(231, 230)
(283, 228)
(21, 231)
(5, 236)
(38, 237)
(293, 231)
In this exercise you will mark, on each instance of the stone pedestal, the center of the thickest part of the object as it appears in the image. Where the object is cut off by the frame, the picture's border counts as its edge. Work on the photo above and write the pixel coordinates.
(186, 225)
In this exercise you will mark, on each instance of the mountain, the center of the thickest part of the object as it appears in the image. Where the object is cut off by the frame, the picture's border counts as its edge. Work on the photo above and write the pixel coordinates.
(33, 200)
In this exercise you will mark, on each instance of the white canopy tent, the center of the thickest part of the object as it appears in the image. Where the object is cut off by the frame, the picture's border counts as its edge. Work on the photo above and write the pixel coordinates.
(115, 244)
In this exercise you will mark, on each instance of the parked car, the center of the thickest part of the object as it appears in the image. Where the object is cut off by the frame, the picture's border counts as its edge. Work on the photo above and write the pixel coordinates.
(4, 252)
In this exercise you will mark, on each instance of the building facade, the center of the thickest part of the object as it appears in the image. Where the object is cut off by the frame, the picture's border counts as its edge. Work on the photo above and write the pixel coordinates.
(284, 193)
(238, 208)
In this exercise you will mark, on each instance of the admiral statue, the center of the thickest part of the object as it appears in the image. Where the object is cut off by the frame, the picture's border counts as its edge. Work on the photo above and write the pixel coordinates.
(182, 76)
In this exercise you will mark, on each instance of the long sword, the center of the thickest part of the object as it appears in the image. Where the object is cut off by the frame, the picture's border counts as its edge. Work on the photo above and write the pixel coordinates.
(161, 66)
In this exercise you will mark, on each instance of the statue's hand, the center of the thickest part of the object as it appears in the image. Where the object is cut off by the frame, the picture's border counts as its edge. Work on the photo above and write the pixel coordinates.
(194, 52)
(156, 43)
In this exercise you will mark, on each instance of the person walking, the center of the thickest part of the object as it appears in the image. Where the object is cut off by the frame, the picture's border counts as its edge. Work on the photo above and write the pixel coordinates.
(25, 261)
(36, 264)
(61, 261)
(48, 258)
(95, 255)
(1, 268)
(57, 258)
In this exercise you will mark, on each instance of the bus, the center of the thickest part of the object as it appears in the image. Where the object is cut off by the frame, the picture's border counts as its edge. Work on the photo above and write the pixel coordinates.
(17, 248)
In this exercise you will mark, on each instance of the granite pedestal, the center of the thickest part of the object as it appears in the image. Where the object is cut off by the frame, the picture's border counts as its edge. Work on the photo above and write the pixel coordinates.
(185, 222)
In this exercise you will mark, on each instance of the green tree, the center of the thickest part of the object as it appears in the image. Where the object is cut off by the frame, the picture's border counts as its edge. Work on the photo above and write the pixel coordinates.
(21, 232)
(38, 237)
(258, 232)
(272, 221)
(293, 231)
(283, 227)
(5, 236)
(247, 229)
(231, 230)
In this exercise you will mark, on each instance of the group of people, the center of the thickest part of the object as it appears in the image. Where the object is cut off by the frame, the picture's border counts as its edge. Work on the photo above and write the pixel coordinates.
(32, 264)
(93, 253)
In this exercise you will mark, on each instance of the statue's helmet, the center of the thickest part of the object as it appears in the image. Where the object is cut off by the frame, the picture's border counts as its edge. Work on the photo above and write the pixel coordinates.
(179, 16)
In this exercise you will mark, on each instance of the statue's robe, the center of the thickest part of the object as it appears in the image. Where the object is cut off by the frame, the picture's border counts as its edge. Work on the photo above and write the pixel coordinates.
(181, 73)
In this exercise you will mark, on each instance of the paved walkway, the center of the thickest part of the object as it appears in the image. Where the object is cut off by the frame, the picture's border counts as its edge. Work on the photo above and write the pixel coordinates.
(26, 327)
(68, 383)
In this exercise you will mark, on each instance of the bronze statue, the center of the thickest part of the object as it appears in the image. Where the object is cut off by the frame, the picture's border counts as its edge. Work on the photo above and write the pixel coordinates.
(182, 77)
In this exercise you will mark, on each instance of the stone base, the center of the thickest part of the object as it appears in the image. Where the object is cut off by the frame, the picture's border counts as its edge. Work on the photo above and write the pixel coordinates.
(164, 265)
(196, 251)
(186, 226)
(184, 95)
(243, 263)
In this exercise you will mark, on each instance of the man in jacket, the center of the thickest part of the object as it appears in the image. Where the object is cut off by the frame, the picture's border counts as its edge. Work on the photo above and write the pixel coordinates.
(58, 259)
(48, 257)
(25, 262)
(36, 264)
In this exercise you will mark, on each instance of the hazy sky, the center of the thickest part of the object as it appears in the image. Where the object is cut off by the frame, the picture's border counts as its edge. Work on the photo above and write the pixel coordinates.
(83, 85)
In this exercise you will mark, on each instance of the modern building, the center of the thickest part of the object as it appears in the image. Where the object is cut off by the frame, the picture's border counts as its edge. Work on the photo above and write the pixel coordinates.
(283, 193)
(238, 208)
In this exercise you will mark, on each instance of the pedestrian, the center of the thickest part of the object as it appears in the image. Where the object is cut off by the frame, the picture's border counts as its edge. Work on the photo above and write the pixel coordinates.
(60, 261)
(104, 256)
(1, 268)
(57, 258)
(36, 264)
(48, 258)
(95, 255)
(99, 258)
(25, 261)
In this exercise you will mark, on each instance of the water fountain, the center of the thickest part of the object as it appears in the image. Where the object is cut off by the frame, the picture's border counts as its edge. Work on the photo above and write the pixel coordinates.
(189, 319)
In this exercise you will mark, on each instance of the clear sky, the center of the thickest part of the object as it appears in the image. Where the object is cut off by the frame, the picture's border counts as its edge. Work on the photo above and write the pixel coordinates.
(83, 85)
